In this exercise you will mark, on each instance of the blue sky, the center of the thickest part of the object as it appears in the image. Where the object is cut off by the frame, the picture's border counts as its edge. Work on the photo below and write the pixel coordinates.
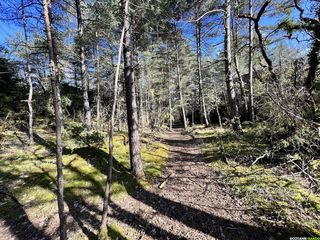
(7, 30)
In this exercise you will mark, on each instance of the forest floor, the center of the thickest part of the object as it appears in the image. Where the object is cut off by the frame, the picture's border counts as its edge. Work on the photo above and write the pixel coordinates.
(191, 205)
(204, 197)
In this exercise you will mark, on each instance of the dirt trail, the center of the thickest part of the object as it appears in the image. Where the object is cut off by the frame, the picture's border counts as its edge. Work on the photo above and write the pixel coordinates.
(191, 205)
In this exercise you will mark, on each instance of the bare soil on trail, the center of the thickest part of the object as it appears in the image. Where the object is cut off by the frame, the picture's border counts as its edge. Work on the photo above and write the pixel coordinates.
(191, 205)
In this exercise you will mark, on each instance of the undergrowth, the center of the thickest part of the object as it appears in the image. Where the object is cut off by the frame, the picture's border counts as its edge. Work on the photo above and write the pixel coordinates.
(29, 172)
(271, 190)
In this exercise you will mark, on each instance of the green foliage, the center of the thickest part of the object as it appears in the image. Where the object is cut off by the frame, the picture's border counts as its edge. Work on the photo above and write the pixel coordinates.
(289, 25)
(90, 139)
(12, 90)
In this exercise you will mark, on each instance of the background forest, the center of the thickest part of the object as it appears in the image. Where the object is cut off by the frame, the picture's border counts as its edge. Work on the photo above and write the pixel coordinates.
(96, 96)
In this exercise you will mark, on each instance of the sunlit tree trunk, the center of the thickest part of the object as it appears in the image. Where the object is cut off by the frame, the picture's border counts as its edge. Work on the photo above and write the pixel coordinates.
(184, 119)
(103, 227)
(229, 80)
(169, 92)
(236, 63)
(203, 110)
(251, 106)
(53, 62)
(141, 97)
(28, 73)
(83, 70)
(98, 99)
(131, 102)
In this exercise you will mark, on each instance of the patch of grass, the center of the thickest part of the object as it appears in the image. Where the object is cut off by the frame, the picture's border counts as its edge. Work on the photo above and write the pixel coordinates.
(154, 155)
(29, 172)
(115, 232)
(284, 201)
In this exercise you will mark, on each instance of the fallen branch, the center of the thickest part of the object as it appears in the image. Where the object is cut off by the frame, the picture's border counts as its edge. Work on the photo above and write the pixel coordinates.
(311, 178)
(166, 180)
(266, 154)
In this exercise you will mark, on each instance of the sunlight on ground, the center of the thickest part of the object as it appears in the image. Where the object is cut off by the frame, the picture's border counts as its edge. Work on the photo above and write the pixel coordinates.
(30, 172)
(276, 197)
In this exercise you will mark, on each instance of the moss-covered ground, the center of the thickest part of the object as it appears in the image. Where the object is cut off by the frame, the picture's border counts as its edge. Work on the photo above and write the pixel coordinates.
(281, 199)
(29, 172)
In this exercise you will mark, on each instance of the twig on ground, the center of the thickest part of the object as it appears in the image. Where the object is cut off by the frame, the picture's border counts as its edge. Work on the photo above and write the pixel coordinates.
(266, 154)
(166, 180)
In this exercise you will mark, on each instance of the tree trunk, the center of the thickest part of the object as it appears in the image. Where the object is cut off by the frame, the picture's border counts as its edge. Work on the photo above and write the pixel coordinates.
(313, 60)
(58, 113)
(147, 104)
(236, 63)
(131, 102)
(219, 116)
(83, 70)
(203, 111)
(184, 119)
(251, 106)
(180, 91)
(229, 80)
(28, 73)
(106, 200)
(141, 98)
(98, 83)
(169, 90)
(170, 113)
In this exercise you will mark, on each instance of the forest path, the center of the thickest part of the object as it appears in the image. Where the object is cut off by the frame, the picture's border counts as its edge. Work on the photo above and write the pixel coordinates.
(192, 205)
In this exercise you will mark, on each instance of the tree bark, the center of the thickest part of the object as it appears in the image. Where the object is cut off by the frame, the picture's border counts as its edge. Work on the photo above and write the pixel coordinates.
(250, 66)
(236, 125)
(313, 60)
(28, 73)
(184, 119)
(98, 83)
(236, 63)
(53, 61)
(131, 102)
(169, 90)
(83, 70)
(203, 111)
(141, 98)
(106, 200)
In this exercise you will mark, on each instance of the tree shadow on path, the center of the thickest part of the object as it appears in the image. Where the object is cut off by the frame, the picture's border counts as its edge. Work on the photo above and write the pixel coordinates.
(194, 218)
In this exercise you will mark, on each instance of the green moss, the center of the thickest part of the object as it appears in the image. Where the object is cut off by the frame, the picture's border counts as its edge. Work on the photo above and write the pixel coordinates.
(115, 232)
(268, 192)
(30, 172)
